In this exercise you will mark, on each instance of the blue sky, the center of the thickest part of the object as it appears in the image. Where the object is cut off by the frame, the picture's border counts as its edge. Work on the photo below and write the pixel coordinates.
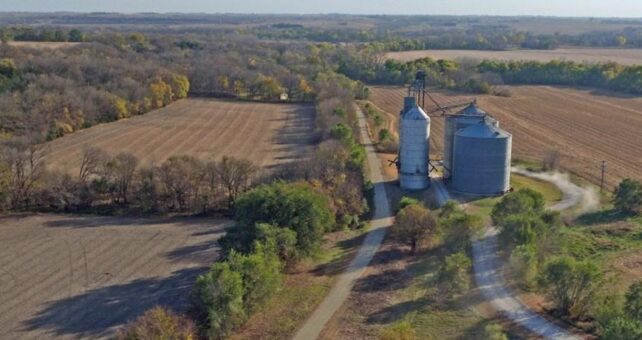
(583, 8)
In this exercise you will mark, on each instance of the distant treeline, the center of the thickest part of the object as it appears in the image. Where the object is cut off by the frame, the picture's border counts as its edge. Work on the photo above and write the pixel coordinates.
(26, 33)
(610, 76)
(368, 65)
(475, 38)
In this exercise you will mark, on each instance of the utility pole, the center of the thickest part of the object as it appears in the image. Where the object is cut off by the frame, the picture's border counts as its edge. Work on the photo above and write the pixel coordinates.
(602, 179)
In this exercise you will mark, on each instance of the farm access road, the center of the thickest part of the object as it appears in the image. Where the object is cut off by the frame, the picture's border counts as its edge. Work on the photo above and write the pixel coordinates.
(378, 227)
(487, 270)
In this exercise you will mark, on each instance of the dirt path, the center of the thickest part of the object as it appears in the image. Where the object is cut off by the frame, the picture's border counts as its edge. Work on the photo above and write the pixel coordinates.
(378, 227)
(487, 268)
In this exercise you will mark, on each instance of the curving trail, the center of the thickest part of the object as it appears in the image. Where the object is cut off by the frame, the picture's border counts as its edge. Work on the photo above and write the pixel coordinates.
(378, 227)
(487, 265)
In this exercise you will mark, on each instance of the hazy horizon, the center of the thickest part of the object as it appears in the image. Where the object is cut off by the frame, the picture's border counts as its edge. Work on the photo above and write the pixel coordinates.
(560, 8)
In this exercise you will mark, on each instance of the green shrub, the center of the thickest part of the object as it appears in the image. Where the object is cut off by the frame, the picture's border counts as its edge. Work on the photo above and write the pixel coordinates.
(571, 284)
(261, 275)
(454, 275)
(449, 209)
(384, 135)
(406, 201)
(217, 300)
(633, 304)
(458, 231)
(296, 206)
(159, 323)
(400, 330)
(521, 229)
(494, 332)
(623, 329)
(522, 202)
(523, 261)
(282, 241)
(628, 196)
(343, 133)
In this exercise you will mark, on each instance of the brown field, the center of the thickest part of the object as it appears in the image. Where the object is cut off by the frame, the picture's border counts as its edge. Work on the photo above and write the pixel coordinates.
(583, 126)
(266, 134)
(42, 44)
(82, 277)
(589, 55)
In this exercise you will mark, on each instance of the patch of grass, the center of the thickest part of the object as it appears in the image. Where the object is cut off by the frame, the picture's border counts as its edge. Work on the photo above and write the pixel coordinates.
(550, 191)
(431, 316)
(604, 216)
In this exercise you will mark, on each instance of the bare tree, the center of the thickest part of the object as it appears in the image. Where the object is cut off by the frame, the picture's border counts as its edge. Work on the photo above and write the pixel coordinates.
(235, 175)
(181, 177)
(551, 160)
(25, 166)
(123, 169)
(92, 159)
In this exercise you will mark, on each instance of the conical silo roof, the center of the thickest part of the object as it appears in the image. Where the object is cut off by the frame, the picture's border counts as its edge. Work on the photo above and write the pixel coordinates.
(415, 113)
(483, 130)
(472, 110)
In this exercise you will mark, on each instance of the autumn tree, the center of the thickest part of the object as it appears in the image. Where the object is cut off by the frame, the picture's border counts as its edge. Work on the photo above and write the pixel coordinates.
(235, 175)
(181, 177)
(413, 225)
(24, 166)
(122, 169)
(92, 159)
(159, 323)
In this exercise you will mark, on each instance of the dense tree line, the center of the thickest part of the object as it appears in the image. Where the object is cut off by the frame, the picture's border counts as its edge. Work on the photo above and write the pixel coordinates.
(609, 75)
(118, 183)
(27, 33)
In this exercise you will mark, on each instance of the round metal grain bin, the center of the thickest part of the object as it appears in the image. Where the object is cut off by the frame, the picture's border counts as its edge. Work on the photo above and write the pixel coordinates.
(481, 160)
(414, 135)
(471, 115)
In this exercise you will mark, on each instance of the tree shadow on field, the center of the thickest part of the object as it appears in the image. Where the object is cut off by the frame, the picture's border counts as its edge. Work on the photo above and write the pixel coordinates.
(204, 253)
(94, 313)
(349, 248)
(115, 221)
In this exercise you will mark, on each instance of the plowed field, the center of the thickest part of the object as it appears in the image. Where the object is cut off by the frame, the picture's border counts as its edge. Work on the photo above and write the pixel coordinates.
(584, 126)
(82, 277)
(266, 134)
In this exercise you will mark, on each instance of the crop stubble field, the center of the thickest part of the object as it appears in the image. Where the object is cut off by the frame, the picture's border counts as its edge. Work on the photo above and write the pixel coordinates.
(82, 277)
(583, 126)
(266, 134)
(624, 56)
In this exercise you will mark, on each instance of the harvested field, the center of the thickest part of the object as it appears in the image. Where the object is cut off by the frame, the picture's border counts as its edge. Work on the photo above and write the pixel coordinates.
(266, 134)
(45, 45)
(82, 277)
(583, 126)
(624, 56)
